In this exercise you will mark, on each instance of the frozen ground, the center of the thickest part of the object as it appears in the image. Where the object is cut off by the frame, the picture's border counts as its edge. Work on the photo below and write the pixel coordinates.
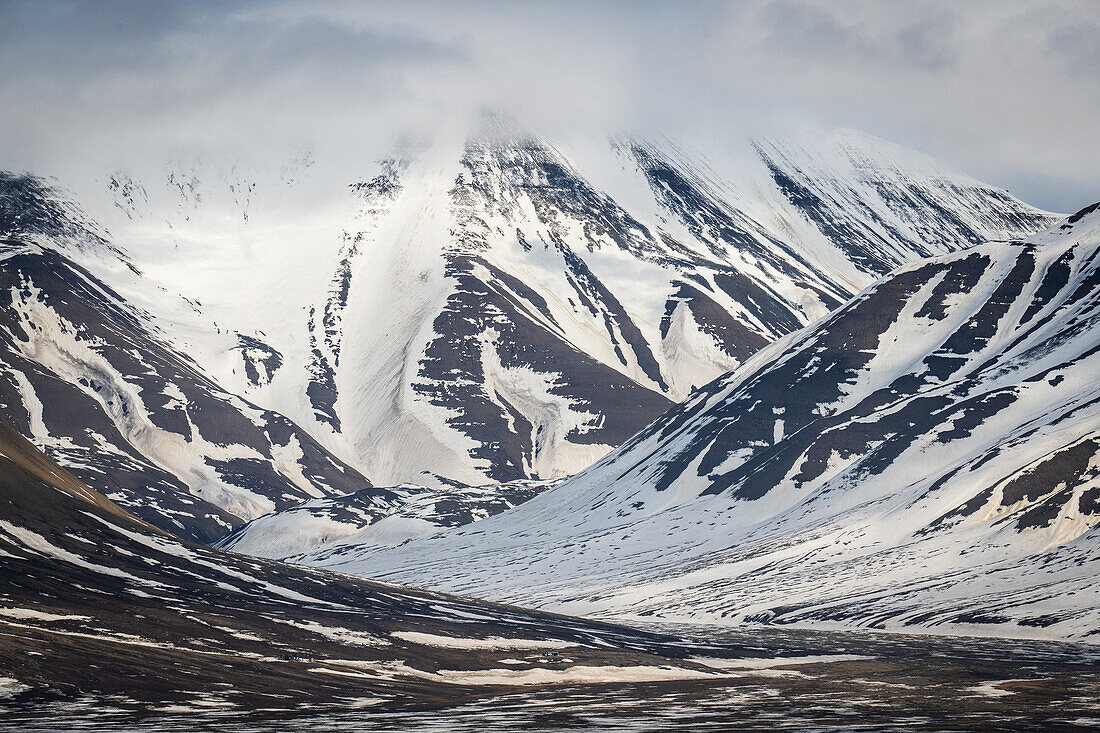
(823, 681)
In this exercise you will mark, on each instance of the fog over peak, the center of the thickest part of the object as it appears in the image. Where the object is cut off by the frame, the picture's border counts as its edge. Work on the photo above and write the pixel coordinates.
(1003, 89)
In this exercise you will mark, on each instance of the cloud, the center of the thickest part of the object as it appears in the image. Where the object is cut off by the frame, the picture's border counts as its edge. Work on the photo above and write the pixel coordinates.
(1004, 89)
(1078, 46)
(819, 32)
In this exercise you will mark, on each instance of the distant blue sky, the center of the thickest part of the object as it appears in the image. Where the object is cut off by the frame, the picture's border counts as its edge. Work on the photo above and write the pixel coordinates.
(1007, 90)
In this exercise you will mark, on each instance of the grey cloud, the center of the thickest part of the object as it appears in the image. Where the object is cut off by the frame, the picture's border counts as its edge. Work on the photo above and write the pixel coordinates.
(161, 46)
(818, 30)
(812, 31)
(928, 45)
(1078, 46)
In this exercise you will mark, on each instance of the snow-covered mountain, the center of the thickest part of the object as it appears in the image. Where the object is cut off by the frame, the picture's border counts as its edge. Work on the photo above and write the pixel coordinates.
(926, 456)
(87, 376)
(500, 307)
(212, 344)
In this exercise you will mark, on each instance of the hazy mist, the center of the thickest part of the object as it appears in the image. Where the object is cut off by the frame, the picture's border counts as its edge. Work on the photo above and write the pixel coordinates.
(1005, 90)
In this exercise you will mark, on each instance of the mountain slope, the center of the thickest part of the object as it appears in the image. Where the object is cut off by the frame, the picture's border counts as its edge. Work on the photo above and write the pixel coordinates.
(502, 307)
(926, 456)
(374, 517)
(96, 605)
(86, 375)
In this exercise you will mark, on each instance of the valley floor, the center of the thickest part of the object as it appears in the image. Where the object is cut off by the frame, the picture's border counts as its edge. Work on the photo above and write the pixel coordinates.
(805, 680)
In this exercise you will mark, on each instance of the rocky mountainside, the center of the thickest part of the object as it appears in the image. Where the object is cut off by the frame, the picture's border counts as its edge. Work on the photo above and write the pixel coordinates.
(503, 307)
(928, 456)
(98, 608)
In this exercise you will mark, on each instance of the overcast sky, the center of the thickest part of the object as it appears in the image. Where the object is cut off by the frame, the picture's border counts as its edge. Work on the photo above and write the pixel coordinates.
(1006, 90)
